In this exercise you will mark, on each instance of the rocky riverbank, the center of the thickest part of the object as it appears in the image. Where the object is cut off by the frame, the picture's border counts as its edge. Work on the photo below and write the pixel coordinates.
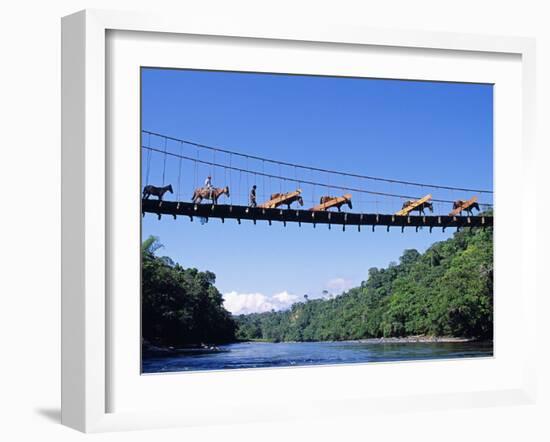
(414, 339)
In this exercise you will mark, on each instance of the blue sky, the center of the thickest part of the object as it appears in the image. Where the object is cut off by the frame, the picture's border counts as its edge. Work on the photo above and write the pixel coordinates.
(437, 133)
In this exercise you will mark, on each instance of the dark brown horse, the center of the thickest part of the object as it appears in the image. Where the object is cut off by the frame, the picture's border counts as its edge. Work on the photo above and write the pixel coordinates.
(156, 191)
(326, 199)
(420, 208)
(203, 193)
(297, 198)
(459, 203)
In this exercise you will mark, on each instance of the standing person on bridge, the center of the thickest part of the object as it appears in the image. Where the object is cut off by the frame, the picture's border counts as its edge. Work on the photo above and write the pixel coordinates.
(253, 196)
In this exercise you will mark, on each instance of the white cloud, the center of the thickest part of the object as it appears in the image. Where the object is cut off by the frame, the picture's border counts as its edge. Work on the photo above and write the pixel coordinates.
(285, 298)
(244, 303)
(339, 284)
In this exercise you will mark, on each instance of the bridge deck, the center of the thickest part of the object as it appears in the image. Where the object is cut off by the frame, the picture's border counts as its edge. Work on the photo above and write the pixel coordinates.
(305, 216)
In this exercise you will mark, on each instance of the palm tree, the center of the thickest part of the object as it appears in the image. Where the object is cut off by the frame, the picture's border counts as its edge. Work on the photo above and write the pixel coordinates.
(150, 246)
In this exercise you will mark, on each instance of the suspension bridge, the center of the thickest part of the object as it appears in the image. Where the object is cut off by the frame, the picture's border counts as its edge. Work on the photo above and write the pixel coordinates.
(189, 179)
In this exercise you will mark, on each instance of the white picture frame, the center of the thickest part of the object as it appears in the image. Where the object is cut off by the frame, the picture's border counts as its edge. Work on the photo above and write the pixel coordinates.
(87, 208)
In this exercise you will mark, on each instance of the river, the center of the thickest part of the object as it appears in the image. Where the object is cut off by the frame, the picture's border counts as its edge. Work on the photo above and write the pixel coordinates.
(291, 354)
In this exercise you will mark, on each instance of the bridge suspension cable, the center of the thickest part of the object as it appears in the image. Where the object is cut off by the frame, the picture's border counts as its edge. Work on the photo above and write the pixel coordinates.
(281, 177)
(316, 169)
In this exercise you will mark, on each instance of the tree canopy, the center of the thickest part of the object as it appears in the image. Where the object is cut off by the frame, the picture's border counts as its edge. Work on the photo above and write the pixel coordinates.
(180, 306)
(446, 291)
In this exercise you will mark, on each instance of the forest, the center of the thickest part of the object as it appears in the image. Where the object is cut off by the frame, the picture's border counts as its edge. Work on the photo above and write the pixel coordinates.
(180, 306)
(445, 291)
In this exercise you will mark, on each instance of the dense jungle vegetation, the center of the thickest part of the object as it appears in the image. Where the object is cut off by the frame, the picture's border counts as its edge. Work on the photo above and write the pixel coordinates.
(180, 306)
(446, 291)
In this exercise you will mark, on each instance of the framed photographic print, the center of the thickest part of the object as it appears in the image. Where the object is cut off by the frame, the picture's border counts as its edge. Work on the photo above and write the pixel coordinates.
(312, 296)
(251, 214)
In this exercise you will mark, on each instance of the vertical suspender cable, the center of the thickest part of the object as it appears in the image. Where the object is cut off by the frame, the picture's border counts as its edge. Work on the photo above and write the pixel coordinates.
(195, 174)
(148, 161)
(196, 169)
(179, 174)
(263, 178)
(230, 179)
(225, 180)
(224, 176)
(247, 173)
(422, 190)
(213, 166)
(313, 188)
(240, 179)
(164, 161)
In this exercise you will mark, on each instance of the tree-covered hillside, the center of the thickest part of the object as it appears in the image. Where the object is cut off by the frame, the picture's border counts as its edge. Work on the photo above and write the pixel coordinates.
(180, 306)
(446, 291)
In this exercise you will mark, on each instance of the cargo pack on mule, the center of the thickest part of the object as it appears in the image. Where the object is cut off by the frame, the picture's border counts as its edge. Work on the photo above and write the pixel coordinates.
(326, 202)
(279, 199)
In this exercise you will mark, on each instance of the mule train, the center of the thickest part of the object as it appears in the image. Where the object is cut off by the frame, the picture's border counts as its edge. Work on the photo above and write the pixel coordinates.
(459, 206)
(276, 200)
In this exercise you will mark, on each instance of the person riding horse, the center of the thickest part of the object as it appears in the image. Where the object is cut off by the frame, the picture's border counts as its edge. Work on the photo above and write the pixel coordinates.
(208, 183)
(209, 194)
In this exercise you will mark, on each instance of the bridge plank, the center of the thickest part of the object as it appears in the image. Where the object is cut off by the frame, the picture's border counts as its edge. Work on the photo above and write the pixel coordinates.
(407, 210)
(464, 206)
(332, 202)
